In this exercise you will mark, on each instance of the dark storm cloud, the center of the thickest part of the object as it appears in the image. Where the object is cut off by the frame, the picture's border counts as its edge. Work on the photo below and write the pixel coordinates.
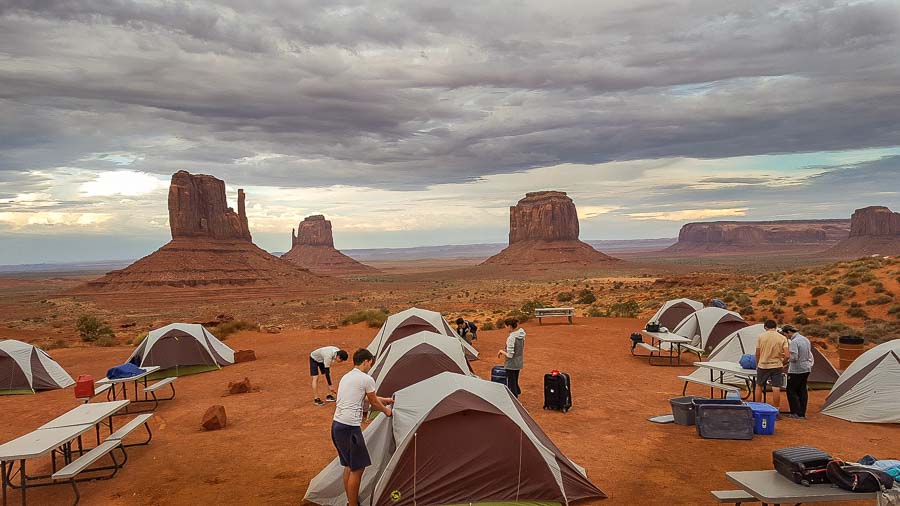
(404, 94)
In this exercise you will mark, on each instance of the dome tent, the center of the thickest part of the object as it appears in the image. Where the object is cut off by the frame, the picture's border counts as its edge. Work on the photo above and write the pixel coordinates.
(182, 348)
(869, 390)
(674, 311)
(413, 320)
(25, 369)
(709, 326)
(416, 358)
(455, 439)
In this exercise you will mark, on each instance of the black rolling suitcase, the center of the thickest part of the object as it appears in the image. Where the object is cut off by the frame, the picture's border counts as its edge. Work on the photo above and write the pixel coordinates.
(802, 464)
(557, 391)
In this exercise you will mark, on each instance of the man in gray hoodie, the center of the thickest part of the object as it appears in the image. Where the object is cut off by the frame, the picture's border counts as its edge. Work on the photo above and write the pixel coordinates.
(514, 353)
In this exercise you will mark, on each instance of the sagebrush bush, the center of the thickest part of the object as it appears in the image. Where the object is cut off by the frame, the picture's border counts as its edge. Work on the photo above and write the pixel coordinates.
(818, 290)
(92, 328)
(565, 297)
(374, 318)
(223, 330)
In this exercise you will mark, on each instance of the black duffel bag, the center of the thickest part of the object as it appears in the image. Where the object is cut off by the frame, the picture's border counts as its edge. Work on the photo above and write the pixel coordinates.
(652, 327)
(857, 478)
(636, 338)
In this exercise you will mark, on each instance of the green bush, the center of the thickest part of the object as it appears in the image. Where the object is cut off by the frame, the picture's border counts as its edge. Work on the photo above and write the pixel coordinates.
(837, 298)
(529, 307)
(857, 312)
(801, 319)
(521, 316)
(587, 297)
(223, 330)
(488, 325)
(879, 301)
(92, 328)
(818, 290)
(821, 312)
(565, 297)
(764, 302)
(105, 341)
(374, 318)
(895, 309)
(746, 311)
(627, 309)
(595, 312)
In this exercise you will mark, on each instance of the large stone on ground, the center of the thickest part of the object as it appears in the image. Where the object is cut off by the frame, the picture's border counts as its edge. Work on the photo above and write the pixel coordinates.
(244, 356)
(214, 418)
(239, 387)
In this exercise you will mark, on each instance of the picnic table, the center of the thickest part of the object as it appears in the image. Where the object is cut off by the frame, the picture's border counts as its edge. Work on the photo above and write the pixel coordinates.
(54, 437)
(676, 345)
(769, 487)
(137, 379)
(546, 312)
(722, 367)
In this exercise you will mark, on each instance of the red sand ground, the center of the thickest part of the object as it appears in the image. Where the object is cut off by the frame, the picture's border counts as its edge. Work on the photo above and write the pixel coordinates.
(277, 440)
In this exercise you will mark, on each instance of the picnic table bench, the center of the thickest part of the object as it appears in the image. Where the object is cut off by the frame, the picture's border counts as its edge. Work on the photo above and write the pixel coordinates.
(769, 487)
(675, 345)
(547, 312)
(148, 391)
(748, 376)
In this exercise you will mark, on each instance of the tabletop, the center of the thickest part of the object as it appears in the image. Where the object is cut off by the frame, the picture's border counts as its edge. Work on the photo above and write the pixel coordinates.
(668, 337)
(91, 414)
(41, 441)
(732, 367)
(770, 487)
(147, 370)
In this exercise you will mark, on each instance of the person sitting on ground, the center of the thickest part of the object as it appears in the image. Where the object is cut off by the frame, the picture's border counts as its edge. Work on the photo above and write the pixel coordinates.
(772, 353)
(514, 353)
(356, 387)
(320, 361)
(799, 368)
(467, 330)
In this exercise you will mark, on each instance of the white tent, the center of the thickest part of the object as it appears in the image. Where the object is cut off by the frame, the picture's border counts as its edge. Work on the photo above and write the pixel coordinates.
(413, 320)
(417, 357)
(869, 390)
(182, 345)
(709, 326)
(455, 439)
(25, 368)
(674, 311)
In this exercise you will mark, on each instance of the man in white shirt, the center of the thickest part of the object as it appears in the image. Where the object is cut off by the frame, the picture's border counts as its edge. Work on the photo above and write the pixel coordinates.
(320, 361)
(355, 387)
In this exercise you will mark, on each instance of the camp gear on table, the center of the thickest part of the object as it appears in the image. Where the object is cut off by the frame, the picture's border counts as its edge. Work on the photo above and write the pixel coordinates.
(801, 464)
(858, 478)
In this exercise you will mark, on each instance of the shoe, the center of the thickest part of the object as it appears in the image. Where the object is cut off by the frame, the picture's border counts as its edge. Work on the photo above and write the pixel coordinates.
(790, 415)
(318, 402)
(329, 398)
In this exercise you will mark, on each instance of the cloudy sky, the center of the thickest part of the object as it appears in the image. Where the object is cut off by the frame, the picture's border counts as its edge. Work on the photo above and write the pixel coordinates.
(418, 123)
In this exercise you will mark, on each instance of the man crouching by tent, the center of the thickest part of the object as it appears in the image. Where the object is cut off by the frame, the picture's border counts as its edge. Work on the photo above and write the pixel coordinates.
(355, 387)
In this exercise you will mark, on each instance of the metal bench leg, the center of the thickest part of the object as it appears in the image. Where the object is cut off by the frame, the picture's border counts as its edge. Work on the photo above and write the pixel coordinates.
(24, 481)
(4, 479)
(75, 489)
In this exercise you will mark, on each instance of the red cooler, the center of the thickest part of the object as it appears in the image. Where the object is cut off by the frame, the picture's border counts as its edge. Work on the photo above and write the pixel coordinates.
(84, 386)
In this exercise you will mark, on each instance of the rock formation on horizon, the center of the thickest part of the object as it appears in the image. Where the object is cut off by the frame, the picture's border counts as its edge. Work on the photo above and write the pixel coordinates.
(874, 230)
(543, 229)
(211, 246)
(312, 247)
(744, 236)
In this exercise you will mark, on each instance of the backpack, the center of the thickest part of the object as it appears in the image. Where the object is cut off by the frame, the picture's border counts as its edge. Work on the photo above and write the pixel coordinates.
(748, 361)
(858, 478)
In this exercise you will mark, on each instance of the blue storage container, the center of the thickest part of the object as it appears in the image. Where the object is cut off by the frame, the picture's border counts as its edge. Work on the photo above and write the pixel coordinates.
(763, 418)
(498, 374)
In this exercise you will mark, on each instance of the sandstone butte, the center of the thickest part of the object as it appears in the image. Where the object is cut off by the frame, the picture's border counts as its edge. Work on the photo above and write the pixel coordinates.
(211, 246)
(312, 247)
(874, 230)
(543, 230)
(741, 236)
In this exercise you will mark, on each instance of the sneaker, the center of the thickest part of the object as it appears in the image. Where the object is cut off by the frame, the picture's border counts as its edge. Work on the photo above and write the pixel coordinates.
(329, 398)
(318, 402)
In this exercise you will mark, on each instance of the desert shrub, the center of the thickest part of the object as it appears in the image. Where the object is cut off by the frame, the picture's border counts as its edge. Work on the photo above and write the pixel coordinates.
(529, 307)
(105, 341)
(627, 309)
(781, 301)
(519, 315)
(797, 308)
(374, 318)
(565, 297)
(837, 298)
(57, 344)
(764, 302)
(857, 312)
(821, 312)
(499, 323)
(92, 328)
(746, 311)
(877, 286)
(225, 329)
(617, 285)
(818, 290)
(777, 311)
(785, 291)
(488, 325)
(865, 278)
(813, 303)
(895, 309)
(595, 312)
(801, 319)
(587, 297)
(879, 301)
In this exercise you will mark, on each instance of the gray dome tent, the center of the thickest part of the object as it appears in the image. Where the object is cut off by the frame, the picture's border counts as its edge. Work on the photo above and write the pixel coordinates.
(25, 369)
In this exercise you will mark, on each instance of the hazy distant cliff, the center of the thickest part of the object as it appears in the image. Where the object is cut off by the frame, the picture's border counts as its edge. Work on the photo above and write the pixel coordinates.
(744, 235)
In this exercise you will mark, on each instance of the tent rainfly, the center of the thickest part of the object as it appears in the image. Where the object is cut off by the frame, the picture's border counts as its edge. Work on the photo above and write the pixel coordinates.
(709, 326)
(743, 341)
(674, 311)
(869, 390)
(412, 359)
(182, 345)
(413, 320)
(455, 439)
(25, 369)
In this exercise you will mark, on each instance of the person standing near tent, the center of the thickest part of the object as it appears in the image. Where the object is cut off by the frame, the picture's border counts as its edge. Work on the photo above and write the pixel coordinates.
(514, 353)
(320, 361)
(772, 353)
(355, 387)
(799, 367)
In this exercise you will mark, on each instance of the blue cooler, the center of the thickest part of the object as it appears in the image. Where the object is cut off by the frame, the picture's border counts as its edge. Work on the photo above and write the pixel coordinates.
(763, 418)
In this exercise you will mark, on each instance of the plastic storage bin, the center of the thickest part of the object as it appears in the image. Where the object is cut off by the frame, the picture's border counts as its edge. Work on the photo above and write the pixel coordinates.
(724, 420)
(683, 409)
(763, 418)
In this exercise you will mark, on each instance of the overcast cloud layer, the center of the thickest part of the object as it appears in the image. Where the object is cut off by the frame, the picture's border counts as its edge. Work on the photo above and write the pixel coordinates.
(420, 122)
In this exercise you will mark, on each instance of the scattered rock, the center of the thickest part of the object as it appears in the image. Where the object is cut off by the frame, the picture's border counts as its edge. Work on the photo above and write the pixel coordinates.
(214, 418)
(312, 247)
(244, 356)
(271, 329)
(239, 387)
(127, 325)
(319, 326)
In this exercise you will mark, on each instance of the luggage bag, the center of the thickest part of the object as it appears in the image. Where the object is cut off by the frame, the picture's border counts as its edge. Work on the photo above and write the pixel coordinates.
(557, 391)
(802, 464)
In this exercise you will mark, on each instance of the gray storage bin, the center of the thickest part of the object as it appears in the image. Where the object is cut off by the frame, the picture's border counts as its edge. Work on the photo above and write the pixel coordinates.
(724, 421)
(683, 409)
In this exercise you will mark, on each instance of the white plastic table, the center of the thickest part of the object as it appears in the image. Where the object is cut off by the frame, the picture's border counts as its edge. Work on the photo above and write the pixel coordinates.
(748, 375)
(124, 382)
(671, 339)
(769, 487)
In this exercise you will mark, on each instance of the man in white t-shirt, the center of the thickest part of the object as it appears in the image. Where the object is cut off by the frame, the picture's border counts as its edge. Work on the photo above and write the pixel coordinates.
(320, 361)
(355, 387)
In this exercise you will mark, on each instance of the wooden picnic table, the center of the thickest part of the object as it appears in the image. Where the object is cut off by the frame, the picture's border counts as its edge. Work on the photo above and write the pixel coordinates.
(769, 487)
(51, 438)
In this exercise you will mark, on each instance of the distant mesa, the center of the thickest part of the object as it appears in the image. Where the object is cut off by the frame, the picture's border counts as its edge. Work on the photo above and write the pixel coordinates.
(874, 230)
(543, 229)
(312, 247)
(211, 246)
(743, 236)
